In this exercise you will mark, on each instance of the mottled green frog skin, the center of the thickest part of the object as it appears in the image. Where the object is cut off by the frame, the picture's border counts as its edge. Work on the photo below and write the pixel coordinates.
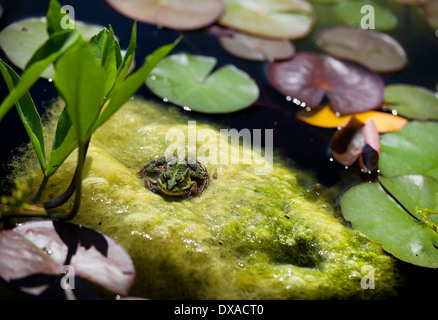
(248, 236)
(177, 177)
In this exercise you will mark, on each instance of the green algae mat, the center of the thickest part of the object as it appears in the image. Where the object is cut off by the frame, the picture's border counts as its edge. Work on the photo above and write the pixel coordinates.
(252, 234)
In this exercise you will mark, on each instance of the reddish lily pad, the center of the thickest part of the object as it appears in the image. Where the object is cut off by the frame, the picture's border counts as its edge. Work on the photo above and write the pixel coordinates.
(375, 50)
(173, 14)
(277, 19)
(430, 11)
(349, 144)
(256, 48)
(308, 77)
(45, 247)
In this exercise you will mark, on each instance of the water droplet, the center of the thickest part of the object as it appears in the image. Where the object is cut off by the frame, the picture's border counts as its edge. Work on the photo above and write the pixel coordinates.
(308, 109)
(153, 77)
(346, 167)
(337, 114)
(187, 108)
(165, 99)
(50, 80)
(331, 159)
(339, 127)
(394, 112)
(288, 98)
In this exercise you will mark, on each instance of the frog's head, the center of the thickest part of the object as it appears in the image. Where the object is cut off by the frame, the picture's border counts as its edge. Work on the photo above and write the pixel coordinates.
(173, 183)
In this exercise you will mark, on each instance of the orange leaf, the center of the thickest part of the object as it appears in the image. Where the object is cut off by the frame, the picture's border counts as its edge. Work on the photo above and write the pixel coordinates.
(385, 122)
(323, 117)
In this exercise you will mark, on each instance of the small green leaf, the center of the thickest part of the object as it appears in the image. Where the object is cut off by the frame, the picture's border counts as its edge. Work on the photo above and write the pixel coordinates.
(411, 150)
(64, 142)
(79, 78)
(104, 47)
(28, 114)
(54, 17)
(371, 210)
(412, 101)
(351, 13)
(43, 58)
(185, 80)
(126, 62)
(127, 88)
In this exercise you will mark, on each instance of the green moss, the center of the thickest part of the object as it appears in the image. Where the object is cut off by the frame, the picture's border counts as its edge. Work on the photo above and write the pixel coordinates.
(248, 236)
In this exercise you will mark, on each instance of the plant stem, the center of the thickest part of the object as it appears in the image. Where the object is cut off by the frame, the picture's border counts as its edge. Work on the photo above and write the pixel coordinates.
(41, 188)
(74, 187)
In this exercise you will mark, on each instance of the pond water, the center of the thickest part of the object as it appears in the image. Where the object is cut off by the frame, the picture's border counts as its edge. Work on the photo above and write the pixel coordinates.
(306, 145)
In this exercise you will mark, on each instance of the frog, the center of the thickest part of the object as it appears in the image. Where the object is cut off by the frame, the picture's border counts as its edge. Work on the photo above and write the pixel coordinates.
(175, 178)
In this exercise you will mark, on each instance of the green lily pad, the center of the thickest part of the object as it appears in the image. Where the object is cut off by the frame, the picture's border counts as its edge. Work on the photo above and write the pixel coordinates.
(187, 80)
(374, 212)
(21, 39)
(415, 192)
(278, 19)
(350, 13)
(411, 150)
(412, 101)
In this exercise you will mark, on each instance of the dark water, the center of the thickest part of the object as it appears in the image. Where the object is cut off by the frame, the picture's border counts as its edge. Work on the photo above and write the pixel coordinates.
(304, 144)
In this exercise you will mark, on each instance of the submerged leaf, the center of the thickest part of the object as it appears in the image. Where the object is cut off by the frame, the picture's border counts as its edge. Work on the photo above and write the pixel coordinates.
(44, 247)
(411, 150)
(374, 212)
(412, 101)
(277, 19)
(375, 50)
(307, 77)
(175, 14)
(186, 80)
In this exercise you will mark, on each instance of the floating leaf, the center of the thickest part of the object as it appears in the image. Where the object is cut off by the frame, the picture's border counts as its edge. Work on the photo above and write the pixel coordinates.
(417, 193)
(187, 81)
(307, 77)
(351, 13)
(44, 247)
(278, 19)
(374, 212)
(411, 150)
(412, 101)
(175, 14)
(430, 11)
(326, 118)
(375, 50)
(21, 39)
(256, 48)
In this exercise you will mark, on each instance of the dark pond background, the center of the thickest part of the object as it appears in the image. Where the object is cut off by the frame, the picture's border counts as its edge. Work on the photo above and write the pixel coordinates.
(307, 146)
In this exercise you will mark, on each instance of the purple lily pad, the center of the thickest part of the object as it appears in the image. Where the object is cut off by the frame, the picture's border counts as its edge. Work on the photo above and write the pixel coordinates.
(256, 48)
(173, 14)
(45, 247)
(308, 77)
(375, 50)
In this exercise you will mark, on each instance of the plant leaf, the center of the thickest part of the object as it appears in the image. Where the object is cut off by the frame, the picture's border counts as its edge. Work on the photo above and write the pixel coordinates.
(132, 83)
(28, 113)
(414, 102)
(326, 118)
(413, 192)
(185, 80)
(126, 62)
(371, 210)
(349, 12)
(43, 58)
(54, 16)
(43, 247)
(79, 78)
(64, 142)
(411, 150)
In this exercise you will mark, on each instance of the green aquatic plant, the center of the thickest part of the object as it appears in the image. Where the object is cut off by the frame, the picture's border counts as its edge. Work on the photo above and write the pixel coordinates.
(91, 77)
